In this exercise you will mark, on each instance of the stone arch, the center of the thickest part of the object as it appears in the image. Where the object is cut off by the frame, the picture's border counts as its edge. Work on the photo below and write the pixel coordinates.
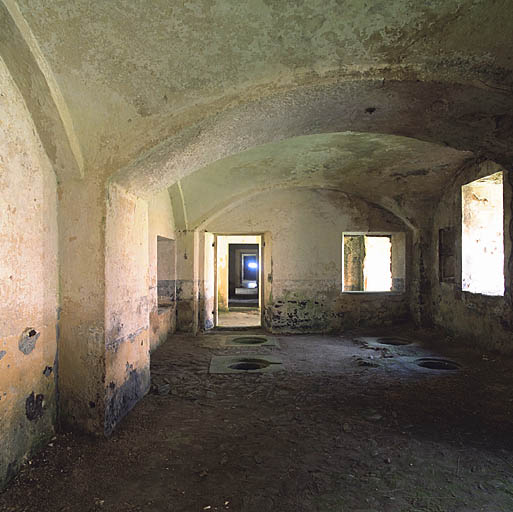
(346, 161)
(34, 78)
(442, 113)
(232, 202)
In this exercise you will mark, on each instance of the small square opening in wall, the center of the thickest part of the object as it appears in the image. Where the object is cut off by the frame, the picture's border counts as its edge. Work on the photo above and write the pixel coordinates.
(166, 271)
(483, 236)
(373, 262)
(446, 255)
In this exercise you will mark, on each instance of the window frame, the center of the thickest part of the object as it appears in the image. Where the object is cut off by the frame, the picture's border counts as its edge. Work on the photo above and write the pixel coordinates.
(467, 290)
(398, 261)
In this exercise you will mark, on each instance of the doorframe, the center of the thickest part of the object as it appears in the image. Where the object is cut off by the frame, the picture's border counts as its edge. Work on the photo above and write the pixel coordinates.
(216, 292)
(261, 295)
(261, 246)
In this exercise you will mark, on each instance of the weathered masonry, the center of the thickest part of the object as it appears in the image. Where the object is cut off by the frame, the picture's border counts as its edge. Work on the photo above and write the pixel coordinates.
(368, 150)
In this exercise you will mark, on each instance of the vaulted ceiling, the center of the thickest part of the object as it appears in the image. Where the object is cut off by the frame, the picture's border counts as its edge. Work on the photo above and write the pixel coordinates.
(160, 89)
(401, 174)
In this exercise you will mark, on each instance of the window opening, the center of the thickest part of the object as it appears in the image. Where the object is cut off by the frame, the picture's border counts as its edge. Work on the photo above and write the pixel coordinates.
(377, 265)
(166, 272)
(483, 236)
(368, 263)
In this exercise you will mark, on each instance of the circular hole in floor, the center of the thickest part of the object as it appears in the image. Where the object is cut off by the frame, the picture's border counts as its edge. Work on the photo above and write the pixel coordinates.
(434, 363)
(249, 340)
(250, 364)
(393, 341)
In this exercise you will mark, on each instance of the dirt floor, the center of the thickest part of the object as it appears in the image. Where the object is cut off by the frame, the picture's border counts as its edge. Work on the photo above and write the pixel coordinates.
(239, 317)
(344, 426)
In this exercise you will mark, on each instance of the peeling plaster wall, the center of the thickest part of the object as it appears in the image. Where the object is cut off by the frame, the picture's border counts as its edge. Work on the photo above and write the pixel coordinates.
(81, 218)
(306, 226)
(266, 272)
(207, 280)
(222, 273)
(472, 318)
(199, 58)
(405, 173)
(188, 281)
(260, 74)
(160, 223)
(28, 284)
(127, 340)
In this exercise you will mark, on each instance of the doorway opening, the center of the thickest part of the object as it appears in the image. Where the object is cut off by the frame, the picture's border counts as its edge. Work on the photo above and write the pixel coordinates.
(238, 281)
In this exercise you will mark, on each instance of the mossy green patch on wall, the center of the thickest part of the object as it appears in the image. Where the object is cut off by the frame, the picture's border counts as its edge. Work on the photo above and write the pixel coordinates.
(306, 251)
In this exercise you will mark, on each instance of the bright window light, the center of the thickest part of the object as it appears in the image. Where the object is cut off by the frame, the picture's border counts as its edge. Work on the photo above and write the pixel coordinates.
(252, 265)
(483, 236)
(367, 263)
(377, 275)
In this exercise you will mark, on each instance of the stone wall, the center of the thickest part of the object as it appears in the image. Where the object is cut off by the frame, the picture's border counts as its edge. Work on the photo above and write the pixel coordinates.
(188, 282)
(161, 224)
(28, 285)
(206, 288)
(127, 357)
(305, 271)
(471, 317)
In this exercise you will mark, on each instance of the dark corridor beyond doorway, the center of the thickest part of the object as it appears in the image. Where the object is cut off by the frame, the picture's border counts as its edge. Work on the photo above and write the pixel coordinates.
(243, 276)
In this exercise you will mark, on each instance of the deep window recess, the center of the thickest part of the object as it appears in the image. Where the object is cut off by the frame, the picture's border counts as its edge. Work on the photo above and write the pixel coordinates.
(373, 262)
(483, 236)
(166, 272)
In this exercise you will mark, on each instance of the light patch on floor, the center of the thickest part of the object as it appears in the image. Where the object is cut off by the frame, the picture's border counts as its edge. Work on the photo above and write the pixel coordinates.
(249, 318)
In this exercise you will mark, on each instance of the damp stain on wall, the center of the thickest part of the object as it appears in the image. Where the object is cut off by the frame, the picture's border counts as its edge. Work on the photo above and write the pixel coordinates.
(27, 341)
(34, 406)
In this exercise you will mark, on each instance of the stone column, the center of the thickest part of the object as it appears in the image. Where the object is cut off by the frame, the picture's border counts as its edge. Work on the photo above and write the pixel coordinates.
(187, 281)
(81, 344)
(422, 259)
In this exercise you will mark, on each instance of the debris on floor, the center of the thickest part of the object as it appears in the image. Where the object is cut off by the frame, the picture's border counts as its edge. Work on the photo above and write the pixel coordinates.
(322, 435)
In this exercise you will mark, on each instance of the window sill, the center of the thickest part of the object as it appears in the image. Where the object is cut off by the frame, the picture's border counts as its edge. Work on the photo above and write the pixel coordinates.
(372, 293)
(480, 296)
(164, 308)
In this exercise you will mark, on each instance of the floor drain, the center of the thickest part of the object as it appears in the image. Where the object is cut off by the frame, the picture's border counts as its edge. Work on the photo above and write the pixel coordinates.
(252, 340)
(437, 364)
(249, 365)
(249, 340)
(393, 341)
(243, 364)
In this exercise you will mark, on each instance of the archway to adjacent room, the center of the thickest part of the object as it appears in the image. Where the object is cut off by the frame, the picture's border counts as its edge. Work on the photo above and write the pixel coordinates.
(238, 271)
